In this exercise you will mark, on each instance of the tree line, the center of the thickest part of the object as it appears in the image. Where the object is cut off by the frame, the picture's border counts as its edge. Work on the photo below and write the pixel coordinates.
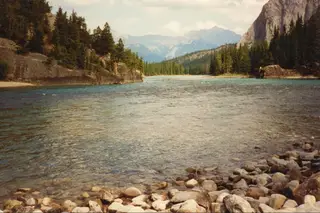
(163, 68)
(298, 45)
(70, 42)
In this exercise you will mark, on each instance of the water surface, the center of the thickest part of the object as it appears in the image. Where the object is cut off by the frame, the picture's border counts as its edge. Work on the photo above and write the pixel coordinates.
(58, 139)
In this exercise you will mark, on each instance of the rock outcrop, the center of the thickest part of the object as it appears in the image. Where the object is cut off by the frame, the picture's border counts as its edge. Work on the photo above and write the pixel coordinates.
(278, 13)
(275, 71)
(36, 68)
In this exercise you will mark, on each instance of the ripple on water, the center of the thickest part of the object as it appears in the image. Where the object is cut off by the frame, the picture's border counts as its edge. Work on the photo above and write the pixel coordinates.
(119, 135)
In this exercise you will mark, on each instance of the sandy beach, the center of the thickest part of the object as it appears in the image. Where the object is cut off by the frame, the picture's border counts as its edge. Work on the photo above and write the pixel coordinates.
(7, 84)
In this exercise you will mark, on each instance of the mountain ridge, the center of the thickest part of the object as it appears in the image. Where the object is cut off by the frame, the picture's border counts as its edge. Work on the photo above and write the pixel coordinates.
(156, 48)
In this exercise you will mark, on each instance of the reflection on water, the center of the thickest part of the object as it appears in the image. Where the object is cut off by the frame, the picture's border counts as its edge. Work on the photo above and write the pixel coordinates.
(122, 134)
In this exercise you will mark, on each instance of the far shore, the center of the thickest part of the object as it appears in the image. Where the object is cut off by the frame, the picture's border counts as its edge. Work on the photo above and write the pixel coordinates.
(13, 84)
(8, 84)
(309, 77)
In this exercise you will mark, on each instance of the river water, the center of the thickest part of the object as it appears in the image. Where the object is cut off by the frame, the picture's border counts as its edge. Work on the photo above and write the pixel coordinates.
(58, 139)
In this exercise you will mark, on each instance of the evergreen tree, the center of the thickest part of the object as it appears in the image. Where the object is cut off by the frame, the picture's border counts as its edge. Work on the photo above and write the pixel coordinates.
(245, 62)
(119, 51)
(36, 43)
(105, 41)
(213, 65)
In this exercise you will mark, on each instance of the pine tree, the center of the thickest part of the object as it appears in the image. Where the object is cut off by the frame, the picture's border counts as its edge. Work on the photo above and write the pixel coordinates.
(119, 51)
(105, 42)
(245, 62)
(213, 65)
(36, 43)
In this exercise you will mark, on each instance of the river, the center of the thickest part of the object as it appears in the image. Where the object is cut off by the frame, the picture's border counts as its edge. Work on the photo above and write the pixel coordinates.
(58, 139)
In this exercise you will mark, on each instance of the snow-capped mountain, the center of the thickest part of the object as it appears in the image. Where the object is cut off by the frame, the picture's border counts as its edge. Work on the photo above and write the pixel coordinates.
(155, 48)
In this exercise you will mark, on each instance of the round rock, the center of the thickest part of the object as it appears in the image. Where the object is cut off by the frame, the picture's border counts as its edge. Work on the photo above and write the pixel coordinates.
(209, 185)
(132, 192)
(191, 183)
(255, 192)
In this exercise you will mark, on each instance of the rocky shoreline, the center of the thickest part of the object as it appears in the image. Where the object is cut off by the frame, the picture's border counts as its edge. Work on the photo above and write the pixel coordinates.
(288, 182)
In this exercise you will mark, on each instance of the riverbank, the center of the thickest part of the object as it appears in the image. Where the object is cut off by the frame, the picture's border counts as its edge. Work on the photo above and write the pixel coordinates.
(287, 182)
(15, 84)
(229, 75)
(300, 77)
(8, 84)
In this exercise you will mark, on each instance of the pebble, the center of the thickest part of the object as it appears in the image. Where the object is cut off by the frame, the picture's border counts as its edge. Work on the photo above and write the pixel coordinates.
(135, 210)
(160, 205)
(140, 198)
(255, 192)
(31, 202)
(95, 207)
(262, 179)
(217, 207)
(290, 204)
(118, 200)
(114, 207)
(242, 184)
(221, 197)
(209, 185)
(264, 200)
(132, 192)
(35, 193)
(107, 197)
(310, 200)
(10, 204)
(155, 197)
(46, 201)
(69, 205)
(85, 195)
(249, 166)
(96, 189)
(81, 210)
(277, 201)
(239, 171)
(188, 206)
(235, 203)
(266, 209)
(191, 183)
(161, 185)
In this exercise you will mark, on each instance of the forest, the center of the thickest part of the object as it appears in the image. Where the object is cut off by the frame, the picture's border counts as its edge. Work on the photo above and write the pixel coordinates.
(163, 68)
(291, 47)
(69, 41)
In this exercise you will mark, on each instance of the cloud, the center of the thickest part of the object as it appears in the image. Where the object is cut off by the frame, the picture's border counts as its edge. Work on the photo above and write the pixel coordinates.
(83, 2)
(173, 26)
(178, 28)
(165, 17)
(189, 4)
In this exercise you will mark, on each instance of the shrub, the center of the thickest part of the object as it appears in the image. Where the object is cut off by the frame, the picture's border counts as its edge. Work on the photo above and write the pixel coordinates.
(22, 51)
(3, 70)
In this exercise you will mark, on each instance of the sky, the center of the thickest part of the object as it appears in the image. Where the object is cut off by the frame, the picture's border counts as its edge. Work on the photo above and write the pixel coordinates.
(164, 17)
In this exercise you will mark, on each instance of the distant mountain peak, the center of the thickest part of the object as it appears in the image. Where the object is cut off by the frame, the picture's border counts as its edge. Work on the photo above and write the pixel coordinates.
(155, 48)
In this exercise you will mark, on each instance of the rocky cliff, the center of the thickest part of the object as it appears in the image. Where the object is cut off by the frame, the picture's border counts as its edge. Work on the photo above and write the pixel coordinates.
(36, 68)
(278, 13)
